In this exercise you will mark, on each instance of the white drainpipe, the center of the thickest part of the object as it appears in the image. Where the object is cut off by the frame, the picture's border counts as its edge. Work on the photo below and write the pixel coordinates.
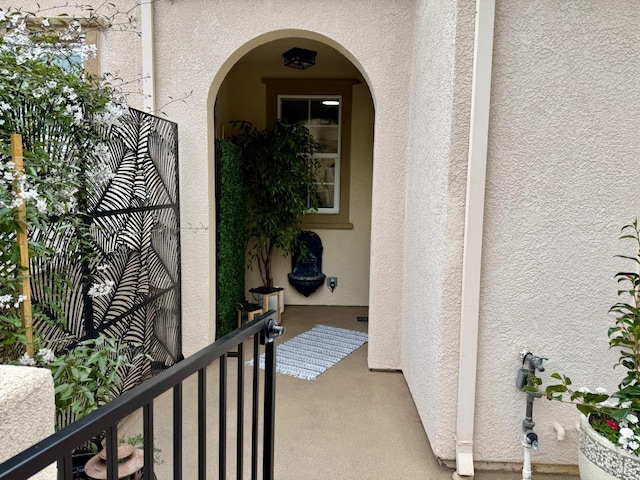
(148, 60)
(474, 216)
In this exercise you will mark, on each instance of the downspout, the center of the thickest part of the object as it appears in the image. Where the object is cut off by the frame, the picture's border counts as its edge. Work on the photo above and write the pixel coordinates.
(474, 217)
(148, 60)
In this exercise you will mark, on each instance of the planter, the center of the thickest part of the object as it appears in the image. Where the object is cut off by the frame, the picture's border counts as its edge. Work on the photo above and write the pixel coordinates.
(599, 459)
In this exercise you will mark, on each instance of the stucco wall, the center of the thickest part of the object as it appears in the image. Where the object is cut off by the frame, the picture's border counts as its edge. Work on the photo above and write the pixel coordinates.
(26, 399)
(435, 214)
(197, 45)
(562, 179)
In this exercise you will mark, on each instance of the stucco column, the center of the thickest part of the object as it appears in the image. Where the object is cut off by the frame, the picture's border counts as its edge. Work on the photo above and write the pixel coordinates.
(27, 409)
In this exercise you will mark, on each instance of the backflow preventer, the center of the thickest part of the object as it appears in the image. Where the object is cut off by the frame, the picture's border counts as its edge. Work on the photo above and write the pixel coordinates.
(526, 374)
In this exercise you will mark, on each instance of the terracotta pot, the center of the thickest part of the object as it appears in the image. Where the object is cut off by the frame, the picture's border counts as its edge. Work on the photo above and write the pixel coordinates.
(599, 459)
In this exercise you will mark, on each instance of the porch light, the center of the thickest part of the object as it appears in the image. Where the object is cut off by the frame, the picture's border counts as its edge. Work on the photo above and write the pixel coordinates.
(299, 58)
(330, 103)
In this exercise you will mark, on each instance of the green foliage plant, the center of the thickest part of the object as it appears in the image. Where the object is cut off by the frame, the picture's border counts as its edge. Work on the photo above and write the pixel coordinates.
(616, 415)
(86, 376)
(231, 237)
(280, 185)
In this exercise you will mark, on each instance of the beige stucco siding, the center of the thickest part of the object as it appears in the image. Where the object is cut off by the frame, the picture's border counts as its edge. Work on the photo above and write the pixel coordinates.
(562, 179)
(27, 410)
(197, 44)
(435, 214)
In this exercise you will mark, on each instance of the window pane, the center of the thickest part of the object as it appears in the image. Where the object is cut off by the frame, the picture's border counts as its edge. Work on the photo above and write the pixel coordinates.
(327, 137)
(327, 172)
(295, 111)
(322, 114)
(325, 195)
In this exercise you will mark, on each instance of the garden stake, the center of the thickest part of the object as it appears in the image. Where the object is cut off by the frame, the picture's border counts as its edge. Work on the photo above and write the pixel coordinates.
(21, 237)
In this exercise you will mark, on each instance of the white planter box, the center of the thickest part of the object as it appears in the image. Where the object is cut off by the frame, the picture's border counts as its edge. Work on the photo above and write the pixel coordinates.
(599, 459)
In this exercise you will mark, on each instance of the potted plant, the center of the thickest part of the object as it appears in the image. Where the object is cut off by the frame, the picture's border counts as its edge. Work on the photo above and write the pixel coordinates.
(85, 377)
(280, 185)
(610, 425)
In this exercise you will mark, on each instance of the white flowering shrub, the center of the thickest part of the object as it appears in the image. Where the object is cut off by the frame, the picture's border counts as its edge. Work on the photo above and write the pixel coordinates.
(63, 114)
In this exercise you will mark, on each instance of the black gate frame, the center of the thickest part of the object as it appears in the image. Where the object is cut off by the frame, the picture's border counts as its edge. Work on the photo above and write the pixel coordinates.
(57, 447)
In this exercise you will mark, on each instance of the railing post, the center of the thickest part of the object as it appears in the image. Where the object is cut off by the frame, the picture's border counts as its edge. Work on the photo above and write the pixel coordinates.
(269, 410)
(271, 332)
(112, 452)
(148, 440)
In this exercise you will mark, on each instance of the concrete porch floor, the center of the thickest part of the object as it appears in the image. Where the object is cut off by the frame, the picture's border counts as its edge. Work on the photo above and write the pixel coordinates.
(350, 423)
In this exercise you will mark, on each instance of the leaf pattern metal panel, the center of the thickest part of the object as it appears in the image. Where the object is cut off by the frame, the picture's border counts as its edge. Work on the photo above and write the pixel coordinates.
(135, 246)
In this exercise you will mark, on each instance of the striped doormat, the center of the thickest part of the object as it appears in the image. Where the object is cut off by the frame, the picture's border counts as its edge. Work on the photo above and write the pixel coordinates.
(313, 352)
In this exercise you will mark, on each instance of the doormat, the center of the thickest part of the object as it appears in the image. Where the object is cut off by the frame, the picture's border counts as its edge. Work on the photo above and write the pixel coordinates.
(313, 352)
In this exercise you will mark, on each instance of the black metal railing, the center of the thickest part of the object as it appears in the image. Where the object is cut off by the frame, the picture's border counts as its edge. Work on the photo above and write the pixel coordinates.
(58, 447)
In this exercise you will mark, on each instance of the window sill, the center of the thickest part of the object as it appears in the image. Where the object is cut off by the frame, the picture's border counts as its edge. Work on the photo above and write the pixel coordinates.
(327, 225)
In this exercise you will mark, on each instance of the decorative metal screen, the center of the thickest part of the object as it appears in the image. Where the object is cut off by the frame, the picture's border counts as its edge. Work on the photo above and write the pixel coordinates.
(134, 249)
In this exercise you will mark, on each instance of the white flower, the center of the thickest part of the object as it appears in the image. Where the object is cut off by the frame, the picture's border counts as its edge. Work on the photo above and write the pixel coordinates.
(626, 404)
(31, 194)
(632, 418)
(69, 92)
(3, 17)
(21, 298)
(101, 289)
(626, 432)
(601, 391)
(633, 445)
(26, 360)
(584, 390)
(46, 355)
(45, 22)
(41, 205)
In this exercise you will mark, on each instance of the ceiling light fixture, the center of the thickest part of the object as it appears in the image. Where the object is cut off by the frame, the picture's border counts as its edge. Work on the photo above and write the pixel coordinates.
(299, 58)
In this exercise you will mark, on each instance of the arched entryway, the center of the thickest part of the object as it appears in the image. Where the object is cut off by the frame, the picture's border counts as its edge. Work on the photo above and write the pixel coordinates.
(254, 89)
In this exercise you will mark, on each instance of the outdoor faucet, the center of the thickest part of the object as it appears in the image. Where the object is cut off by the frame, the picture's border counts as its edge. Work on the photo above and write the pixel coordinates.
(525, 378)
(535, 362)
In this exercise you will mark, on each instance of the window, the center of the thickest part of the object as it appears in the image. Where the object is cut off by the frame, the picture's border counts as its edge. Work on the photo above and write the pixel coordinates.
(312, 103)
(321, 115)
(90, 30)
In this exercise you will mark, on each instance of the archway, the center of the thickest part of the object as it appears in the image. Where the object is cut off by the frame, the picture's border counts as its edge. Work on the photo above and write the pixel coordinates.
(254, 79)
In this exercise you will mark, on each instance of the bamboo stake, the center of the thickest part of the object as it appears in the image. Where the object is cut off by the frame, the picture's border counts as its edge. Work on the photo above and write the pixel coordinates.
(23, 245)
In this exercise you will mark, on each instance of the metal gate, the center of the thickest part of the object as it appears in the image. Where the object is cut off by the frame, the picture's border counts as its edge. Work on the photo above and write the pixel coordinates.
(134, 249)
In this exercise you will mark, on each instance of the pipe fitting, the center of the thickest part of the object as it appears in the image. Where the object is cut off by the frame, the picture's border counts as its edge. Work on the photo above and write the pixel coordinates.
(531, 438)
